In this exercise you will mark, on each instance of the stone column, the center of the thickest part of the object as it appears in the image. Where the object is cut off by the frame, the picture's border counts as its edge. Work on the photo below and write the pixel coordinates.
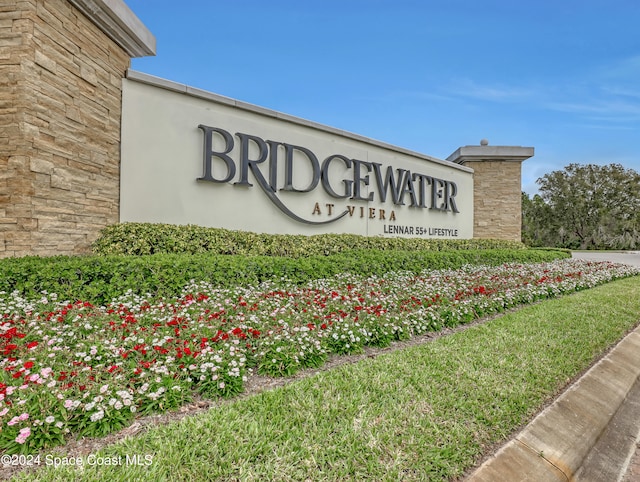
(61, 68)
(497, 188)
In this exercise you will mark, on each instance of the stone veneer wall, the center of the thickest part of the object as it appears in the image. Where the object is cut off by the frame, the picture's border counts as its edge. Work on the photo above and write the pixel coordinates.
(497, 199)
(497, 191)
(60, 105)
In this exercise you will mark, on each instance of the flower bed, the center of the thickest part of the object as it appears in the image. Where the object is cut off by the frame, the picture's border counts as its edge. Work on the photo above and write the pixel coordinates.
(70, 367)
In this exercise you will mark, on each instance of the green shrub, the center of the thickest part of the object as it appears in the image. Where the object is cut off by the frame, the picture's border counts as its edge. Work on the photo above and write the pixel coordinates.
(99, 279)
(145, 238)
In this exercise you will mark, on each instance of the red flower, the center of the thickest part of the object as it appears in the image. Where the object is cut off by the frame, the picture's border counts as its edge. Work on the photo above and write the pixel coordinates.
(9, 348)
(141, 348)
(28, 365)
(160, 349)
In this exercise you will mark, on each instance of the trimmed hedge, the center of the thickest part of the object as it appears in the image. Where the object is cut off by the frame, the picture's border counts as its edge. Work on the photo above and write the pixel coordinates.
(99, 279)
(146, 238)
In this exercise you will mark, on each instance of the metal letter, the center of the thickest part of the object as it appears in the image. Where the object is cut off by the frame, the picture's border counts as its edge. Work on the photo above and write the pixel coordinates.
(325, 177)
(424, 179)
(450, 190)
(389, 180)
(436, 193)
(288, 170)
(209, 154)
(357, 179)
(246, 163)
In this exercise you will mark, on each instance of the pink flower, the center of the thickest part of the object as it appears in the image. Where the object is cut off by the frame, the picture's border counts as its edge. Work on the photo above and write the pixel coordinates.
(23, 435)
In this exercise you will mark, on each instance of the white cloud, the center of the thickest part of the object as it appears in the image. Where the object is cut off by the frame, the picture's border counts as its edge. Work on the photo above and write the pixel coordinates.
(625, 69)
(497, 93)
(610, 108)
(622, 92)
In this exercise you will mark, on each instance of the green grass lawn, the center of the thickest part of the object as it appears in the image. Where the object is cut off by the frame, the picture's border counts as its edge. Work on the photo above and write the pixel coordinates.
(429, 412)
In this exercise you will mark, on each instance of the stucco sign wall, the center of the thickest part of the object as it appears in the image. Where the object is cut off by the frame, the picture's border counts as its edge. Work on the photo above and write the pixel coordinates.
(193, 157)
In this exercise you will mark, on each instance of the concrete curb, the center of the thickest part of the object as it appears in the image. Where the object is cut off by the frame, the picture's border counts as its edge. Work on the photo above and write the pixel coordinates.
(555, 445)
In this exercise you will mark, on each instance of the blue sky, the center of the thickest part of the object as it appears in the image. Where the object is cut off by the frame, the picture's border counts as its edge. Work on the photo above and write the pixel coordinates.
(562, 76)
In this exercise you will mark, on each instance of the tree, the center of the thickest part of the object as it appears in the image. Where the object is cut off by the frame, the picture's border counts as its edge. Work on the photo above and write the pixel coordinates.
(584, 206)
(538, 228)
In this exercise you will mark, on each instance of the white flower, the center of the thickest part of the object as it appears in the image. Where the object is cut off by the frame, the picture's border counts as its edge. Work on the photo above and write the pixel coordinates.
(97, 416)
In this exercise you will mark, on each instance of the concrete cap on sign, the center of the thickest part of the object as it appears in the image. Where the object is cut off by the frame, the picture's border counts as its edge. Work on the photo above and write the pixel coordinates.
(485, 152)
(118, 22)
